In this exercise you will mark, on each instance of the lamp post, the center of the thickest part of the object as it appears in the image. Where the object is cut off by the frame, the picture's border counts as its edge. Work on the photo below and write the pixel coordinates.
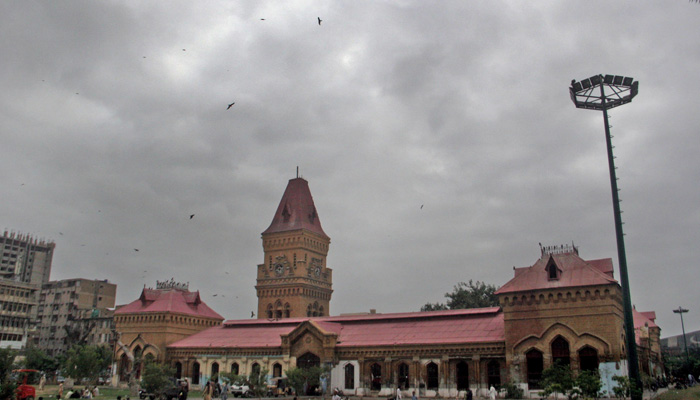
(603, 93)
(681, 311)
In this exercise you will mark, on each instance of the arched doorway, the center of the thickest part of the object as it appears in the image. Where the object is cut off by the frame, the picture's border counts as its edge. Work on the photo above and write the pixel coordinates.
(178, 370)
(375, 371)
(234, 368)
(404, 380)
(433, 380)
(462, 375)
(349, 376)
(215, 370)
(535, 365)
(124, 367)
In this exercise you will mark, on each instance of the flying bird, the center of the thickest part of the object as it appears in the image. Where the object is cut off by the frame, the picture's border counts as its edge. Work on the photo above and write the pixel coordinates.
(252, 314)
(230, 105)
(421, 206)
(136, 249)
(214, 295)
(262, 19)
(319, 20)
(184, 50)
(191, 216)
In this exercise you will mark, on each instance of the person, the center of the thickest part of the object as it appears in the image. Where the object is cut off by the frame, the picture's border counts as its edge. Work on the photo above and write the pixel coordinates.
(492, 393)
(469, 394)
(414, 397)
(60, 391)
(224, 391)
(208, 390)
(42, 382)
(184, 389)
(398, 393)
(95, 391)
(336, 396)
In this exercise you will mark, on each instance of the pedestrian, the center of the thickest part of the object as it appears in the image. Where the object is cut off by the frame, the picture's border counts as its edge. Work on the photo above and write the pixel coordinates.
(42, 382)
(492, 393)
(469, 394)
(208, 389)
(398, 393)
(60, 391)
(414, 396)
(224, 391)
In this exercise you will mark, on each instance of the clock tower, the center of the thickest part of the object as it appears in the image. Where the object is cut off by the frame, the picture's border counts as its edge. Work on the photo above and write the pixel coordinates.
(293, 280)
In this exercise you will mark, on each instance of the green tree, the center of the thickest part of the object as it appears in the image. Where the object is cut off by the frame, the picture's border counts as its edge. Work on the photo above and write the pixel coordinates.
(156, 377)
(87, 362)
(625, 387)
(257, 382)
(589, 383)
(297, 378)
(7, 385)
(467, 295)
(557, 379)
(35, 358)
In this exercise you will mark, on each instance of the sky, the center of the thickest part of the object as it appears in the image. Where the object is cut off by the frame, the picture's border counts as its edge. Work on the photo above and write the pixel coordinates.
(438, 139)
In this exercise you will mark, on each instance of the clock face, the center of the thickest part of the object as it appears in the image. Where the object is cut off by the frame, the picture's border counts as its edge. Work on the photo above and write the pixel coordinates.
(279, 269)
(317, 271)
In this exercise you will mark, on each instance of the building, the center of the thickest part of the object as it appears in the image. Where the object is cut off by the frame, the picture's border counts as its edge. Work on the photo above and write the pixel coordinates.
(676, 345)
(17, 313)
(25, 259)
(72, 311)
(294, 280)
(160, 316)
(25, 264)
(562, 308)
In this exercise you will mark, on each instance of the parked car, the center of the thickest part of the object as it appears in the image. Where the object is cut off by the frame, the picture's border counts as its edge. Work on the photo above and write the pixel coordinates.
(241, 390)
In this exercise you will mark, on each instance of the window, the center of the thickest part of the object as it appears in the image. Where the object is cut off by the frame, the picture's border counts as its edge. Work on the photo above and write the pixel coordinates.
(215, 369)
(349, 376)
(276, 370)
(535, 366)
(462, 375)
(376, 376)
(560, 351)
(404, 380)
(588, 359)
(234, 368)
(493, 369)
(433, 378)
(195, 373)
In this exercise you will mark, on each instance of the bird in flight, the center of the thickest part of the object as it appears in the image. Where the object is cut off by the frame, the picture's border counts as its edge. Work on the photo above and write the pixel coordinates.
(136, 249)
(214, 295)
(252, 314)
(262, 19)
(230, 105)
(319, 20)
(421, 206)
(191, 216)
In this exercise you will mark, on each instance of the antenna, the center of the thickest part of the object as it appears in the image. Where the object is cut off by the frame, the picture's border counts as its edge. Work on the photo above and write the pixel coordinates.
(297, 171)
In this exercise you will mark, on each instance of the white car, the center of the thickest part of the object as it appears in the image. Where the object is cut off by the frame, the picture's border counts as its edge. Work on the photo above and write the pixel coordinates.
(241, 390)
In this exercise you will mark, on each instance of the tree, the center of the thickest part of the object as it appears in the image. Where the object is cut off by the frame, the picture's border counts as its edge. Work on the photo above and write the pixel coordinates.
(156, 377)
(87, 362)
(557, 379)
(589, 383)
(7, 385)
(257, 382)
(35, 358)
(298, 378)
(467, 295)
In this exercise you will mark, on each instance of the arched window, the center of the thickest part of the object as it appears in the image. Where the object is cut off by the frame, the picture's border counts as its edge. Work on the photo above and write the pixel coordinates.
(404, 380)
(560, 351)
(276, 370)
(124, 365)
(308, 360)
(195, 373)
(269, 311)
(255, 369)
(349, 376)
(287, 310)
(234, 368)
(214, 369)
(432, 373)
(535, 366)
(178, 370)
(309, 312)
(320, 311)
(375, 371)
(462, 375)
(588, 359)
(493, 370)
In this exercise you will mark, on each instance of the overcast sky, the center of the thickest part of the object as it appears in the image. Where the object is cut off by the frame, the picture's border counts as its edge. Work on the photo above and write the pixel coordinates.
(114, 129)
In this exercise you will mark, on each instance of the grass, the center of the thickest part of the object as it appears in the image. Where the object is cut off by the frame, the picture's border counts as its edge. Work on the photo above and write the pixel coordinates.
(106, 392)
(685, 394)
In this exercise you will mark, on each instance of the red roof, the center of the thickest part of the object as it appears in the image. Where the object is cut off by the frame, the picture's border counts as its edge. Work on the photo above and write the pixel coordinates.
(573, 271)
(644, 318)
(296, 210)
(416, 328)
(169, 300)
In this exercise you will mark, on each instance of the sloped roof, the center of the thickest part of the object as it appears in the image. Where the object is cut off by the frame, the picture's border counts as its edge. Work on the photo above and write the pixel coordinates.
(644, 318)
(575, 271)
(176, 301)
(296, 210)
(436, 327)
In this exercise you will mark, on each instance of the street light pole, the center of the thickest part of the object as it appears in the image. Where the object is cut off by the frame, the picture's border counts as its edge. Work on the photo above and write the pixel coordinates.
(681, 311)
(584, 94)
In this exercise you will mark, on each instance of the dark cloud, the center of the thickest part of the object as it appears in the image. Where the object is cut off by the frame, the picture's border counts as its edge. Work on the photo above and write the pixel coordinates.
(118, 135)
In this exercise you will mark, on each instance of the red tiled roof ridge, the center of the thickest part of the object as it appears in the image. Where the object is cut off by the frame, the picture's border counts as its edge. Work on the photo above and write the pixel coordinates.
(368, 317)
(176, 301)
